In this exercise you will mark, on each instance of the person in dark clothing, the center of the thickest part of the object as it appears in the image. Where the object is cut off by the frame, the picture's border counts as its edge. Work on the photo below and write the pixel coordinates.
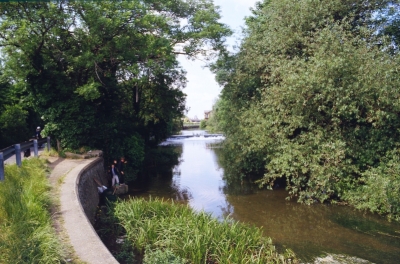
(120, 167)
(27, 153)
(37, 133)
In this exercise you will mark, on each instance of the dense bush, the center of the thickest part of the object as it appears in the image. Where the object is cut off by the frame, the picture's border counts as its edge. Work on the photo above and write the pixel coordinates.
(311, 97)
(134, 150)
(13, 125)
(203, 124)
(379, 188)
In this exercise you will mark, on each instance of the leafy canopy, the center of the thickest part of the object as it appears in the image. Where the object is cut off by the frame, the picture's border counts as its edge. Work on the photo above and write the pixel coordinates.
(312, 96)
(95, 71)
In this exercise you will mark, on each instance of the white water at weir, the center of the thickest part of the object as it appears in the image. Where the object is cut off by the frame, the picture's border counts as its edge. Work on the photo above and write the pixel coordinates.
(194, 135)
(311, 231)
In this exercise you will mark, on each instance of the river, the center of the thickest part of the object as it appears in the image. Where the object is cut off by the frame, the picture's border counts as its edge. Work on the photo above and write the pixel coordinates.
(197, 178)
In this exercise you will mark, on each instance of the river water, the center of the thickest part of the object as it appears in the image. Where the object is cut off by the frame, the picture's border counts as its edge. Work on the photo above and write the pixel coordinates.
(197, 178)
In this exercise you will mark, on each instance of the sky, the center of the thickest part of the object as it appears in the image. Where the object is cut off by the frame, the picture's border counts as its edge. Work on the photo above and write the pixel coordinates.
(202, 90)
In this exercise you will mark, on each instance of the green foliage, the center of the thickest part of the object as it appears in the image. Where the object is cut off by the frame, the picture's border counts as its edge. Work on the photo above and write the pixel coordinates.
(161, 159)
(311, 97)
(14, 123)
(62, 154)
(98, 71)
(203, 124)
(13, 128)
(134, 150)
(89, 91)
(215, 123)
(26, 232)
(196, 237)
(52, 153)
(379, 189)
(125, 255)
(176, 125)
(159, 256)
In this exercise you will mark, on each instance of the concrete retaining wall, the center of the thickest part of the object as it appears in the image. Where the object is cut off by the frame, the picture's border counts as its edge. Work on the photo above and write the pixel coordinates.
(87, 187)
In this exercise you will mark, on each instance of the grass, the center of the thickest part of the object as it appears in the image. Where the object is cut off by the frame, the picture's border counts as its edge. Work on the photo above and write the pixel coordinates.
(26, 232)
(50, 153)
(157, 225)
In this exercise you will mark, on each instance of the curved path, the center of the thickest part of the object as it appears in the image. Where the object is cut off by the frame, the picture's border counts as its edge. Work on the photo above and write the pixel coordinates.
(70, 219)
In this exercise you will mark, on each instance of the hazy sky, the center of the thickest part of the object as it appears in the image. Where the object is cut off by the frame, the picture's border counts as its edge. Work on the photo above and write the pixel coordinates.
(201, 89)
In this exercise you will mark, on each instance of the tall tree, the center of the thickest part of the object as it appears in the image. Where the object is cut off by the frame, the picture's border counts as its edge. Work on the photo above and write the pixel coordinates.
(14, 126)
(312, 96)
(98, 70)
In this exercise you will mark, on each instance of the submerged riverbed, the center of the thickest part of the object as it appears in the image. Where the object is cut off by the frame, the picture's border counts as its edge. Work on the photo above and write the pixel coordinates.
(194, 176)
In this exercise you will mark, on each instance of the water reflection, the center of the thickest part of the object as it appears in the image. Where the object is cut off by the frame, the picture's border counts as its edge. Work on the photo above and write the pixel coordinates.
(189, 171)
(312, 230)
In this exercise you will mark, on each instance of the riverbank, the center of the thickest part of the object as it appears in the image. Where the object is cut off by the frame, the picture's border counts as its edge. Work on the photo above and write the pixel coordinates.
(193, 171)
(156, 229)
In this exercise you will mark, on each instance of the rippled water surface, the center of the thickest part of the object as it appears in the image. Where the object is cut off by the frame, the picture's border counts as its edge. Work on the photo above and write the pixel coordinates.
(310, 231)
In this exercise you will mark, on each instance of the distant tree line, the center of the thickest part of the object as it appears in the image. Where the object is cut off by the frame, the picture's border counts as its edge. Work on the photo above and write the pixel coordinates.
(102, 74)
(312, 98)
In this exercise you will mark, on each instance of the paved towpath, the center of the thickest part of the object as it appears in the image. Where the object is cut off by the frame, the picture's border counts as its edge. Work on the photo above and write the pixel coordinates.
(69, 218)
(59, 168)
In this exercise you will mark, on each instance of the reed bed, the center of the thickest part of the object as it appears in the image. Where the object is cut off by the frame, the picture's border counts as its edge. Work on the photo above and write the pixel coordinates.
(26, 232)
(195, 237)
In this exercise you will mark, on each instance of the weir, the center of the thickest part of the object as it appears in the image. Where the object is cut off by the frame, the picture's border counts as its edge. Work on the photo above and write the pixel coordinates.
(195, 135)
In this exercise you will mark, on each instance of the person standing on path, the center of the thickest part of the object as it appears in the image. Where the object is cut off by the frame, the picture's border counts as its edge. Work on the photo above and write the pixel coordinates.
(37, 133)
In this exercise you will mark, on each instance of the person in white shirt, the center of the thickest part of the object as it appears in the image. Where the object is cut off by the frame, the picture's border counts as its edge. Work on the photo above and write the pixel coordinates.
(114, 174)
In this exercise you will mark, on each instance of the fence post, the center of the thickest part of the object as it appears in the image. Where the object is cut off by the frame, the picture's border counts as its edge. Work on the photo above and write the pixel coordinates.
(35, 147)
(48, 143)
(1, 166)
(18, 154)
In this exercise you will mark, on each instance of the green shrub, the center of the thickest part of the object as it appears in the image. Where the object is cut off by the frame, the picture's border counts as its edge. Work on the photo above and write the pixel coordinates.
(13, 125)
(380, 188)
(203, 124)
(134, 154)
(314, 104)
(51, 153)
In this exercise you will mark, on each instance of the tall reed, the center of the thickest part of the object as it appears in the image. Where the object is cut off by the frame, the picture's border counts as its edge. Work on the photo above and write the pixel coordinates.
(26, 232)
(196, 237)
